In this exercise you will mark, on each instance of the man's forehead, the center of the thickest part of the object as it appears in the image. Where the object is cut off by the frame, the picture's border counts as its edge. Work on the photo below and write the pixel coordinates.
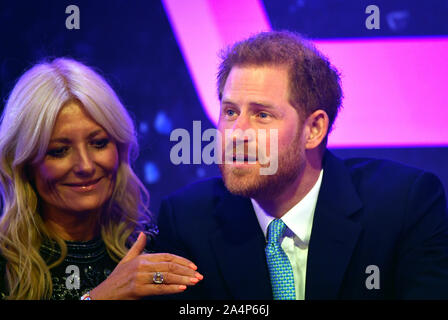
(259, 84)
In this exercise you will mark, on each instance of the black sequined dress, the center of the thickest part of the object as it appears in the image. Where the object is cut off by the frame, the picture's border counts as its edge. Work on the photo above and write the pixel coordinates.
(86, 265)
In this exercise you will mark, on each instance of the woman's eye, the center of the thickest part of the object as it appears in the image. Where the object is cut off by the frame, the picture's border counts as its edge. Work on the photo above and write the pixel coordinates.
(101, 143)
(57, 152)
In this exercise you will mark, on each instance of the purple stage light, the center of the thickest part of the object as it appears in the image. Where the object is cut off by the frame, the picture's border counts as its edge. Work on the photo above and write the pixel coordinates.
(396, 90)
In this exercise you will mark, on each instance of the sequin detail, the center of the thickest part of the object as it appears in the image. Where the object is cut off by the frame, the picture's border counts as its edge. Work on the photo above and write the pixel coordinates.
(86, 265)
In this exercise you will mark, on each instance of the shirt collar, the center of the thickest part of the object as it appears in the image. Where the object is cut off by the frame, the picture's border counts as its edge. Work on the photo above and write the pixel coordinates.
(298, 219)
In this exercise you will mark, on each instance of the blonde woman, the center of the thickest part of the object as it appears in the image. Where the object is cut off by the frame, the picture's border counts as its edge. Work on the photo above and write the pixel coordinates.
(75, 218)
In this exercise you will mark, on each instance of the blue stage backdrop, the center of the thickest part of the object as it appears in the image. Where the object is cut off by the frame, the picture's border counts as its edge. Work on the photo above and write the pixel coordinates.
(134, 45)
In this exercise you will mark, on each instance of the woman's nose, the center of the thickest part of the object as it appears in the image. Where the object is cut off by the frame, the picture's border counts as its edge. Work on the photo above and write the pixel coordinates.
(84, 164)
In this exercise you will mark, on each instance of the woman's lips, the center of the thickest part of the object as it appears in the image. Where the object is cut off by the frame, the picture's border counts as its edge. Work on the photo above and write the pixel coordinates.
(84, 186)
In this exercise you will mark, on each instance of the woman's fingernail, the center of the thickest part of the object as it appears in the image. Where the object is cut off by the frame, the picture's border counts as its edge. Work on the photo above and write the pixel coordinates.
(199, 276)
(193, 266)
(182, 287)
(194, 280)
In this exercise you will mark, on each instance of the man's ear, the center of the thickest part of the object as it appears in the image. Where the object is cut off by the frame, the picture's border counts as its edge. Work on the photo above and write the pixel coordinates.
(316, 128)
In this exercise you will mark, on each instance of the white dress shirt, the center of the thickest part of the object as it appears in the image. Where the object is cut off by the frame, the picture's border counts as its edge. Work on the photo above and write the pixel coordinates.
(299, 221)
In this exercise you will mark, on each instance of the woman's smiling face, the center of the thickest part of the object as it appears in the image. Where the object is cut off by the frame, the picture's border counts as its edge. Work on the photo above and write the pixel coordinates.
(78, 171)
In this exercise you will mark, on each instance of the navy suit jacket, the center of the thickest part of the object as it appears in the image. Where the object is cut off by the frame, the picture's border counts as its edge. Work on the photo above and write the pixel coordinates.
(369, 212)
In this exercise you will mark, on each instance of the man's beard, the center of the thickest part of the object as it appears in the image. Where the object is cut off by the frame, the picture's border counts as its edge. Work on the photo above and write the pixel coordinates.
(250, 183)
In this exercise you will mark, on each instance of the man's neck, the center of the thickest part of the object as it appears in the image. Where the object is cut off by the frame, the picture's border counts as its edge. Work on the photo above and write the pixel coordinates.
(293, 193)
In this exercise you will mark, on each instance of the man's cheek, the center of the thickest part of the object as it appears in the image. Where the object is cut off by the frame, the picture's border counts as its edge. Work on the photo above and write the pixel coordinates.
(268, 151)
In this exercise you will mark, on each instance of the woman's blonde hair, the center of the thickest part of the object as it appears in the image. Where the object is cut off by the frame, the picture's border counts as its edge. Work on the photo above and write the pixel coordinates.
(26, 126)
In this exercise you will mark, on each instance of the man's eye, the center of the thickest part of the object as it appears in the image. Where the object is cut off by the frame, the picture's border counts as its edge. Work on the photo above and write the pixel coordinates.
(229, 113)
(101, 143)
(264, 115)
(58, 152)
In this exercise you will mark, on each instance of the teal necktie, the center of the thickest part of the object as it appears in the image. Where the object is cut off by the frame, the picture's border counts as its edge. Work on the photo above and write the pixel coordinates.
(280, 270)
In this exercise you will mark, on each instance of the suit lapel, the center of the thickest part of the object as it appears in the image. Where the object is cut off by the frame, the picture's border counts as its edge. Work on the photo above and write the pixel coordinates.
(334, 234)
(239, 249)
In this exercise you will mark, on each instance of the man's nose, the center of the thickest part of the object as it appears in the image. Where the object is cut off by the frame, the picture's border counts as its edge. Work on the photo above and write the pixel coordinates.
(242, 130)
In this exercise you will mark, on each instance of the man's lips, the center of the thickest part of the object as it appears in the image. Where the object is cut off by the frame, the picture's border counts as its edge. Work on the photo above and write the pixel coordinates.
(237, 155)
(242, 159)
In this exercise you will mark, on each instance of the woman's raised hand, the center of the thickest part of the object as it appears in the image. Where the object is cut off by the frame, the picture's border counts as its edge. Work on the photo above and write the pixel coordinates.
(139, 275)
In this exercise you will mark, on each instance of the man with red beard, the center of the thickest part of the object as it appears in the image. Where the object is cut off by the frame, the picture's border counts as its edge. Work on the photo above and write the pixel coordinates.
(317, 227)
